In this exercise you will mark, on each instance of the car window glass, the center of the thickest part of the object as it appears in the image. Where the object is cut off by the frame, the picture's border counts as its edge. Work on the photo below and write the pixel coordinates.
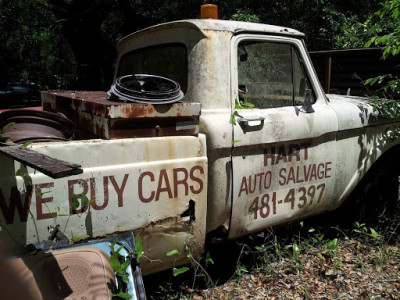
(270, 75)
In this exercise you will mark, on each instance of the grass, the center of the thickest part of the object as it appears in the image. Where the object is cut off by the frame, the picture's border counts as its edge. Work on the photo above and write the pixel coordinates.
(318, 249)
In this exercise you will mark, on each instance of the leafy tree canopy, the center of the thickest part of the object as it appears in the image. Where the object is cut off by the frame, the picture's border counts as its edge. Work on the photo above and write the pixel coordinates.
(47, 37)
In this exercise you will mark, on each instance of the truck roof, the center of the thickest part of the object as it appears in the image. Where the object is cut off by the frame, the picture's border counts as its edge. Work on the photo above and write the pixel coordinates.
(216, 25)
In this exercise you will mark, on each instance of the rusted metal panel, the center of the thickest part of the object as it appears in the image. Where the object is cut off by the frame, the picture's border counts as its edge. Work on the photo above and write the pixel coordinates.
(95, 114)
(24, 125)
(155, 187)
(54, 168)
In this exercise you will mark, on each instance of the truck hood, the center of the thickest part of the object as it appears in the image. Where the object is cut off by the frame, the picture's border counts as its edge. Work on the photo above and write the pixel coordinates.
(355, 112)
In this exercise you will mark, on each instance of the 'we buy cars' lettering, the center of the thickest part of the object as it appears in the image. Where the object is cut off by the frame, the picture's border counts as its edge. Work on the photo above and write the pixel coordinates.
(103, 192)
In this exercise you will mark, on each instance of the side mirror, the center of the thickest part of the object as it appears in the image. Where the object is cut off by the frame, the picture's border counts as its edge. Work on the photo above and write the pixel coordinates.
(307, 105)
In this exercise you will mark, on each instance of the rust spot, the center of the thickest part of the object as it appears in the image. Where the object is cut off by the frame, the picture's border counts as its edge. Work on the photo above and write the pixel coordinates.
(137, 110)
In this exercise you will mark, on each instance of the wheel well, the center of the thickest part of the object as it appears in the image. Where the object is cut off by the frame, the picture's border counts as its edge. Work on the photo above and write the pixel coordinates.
(389, 159)
(354, 207)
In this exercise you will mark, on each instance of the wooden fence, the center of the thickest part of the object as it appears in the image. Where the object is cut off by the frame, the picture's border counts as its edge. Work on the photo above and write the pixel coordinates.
(344, 71)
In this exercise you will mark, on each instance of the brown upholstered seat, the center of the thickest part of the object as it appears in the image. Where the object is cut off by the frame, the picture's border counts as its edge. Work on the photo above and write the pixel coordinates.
(77, 273)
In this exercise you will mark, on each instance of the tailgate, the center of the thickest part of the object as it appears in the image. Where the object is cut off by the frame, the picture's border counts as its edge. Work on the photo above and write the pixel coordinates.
(155, 187)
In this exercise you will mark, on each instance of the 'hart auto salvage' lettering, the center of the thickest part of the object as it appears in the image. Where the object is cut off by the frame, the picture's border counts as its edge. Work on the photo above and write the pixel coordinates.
(290, 182)
(275, 156)
(151, 186)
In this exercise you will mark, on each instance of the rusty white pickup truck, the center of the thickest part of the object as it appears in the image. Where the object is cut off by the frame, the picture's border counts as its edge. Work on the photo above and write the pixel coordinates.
(253, 143)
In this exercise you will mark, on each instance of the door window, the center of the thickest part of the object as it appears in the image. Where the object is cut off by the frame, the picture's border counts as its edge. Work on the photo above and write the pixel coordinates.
(271, 75)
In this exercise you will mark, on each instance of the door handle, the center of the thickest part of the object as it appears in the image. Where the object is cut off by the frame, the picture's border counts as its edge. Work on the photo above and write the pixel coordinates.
(245, 121)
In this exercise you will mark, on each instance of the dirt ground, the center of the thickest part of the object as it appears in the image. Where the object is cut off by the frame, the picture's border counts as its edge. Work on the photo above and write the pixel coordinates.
(303, 261)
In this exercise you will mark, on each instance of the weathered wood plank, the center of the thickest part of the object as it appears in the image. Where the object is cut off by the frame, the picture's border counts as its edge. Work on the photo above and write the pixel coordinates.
(49, 166)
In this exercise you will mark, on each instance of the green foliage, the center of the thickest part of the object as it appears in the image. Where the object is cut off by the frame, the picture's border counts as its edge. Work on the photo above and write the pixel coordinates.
(4, 138)
(178, 271)
(33, 46)
(119, 265)
(138, 247)
(295, 258)
(241, 270)
(387, 108)
(6, 126)
(232, 119)
(196, 265)
(76, 238)
(26, 144)
(362, 230)
(245, 15)
(47, 37)
(380, 29)
(172, 252)
(75, 201)
(208, 259)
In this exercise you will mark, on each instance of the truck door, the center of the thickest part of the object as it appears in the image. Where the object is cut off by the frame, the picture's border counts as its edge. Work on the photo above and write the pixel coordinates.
(284, 151)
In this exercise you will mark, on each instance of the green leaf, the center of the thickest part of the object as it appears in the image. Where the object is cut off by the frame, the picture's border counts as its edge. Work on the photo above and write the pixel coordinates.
(76, 238)
(232, 119)
(248, 104)
(125, 265)
(125, 278)
(114, 261)
(113, 244)
(236, 141)
(172, 252)
(296, 248)
(84, 199)
(122, 295)
(26, 144)
(209, 259)
(42, 193)
(8, 125)
(138, 247)
(374, 234)
(368, 81)
(75, 202)
(120, 248)
(178, 271)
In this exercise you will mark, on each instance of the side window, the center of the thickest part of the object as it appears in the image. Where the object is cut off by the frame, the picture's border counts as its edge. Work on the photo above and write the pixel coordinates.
(270, 75)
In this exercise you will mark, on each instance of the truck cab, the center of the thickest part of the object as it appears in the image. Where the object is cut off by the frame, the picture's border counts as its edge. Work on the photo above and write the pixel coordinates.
(288, 150)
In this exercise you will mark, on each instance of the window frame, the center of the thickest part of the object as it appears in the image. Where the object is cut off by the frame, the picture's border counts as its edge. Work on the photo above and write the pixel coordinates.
(297, 48)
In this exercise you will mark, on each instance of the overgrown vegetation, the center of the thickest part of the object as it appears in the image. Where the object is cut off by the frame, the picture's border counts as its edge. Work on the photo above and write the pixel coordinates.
(76, 38)
(302, 260)
(380, 29)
